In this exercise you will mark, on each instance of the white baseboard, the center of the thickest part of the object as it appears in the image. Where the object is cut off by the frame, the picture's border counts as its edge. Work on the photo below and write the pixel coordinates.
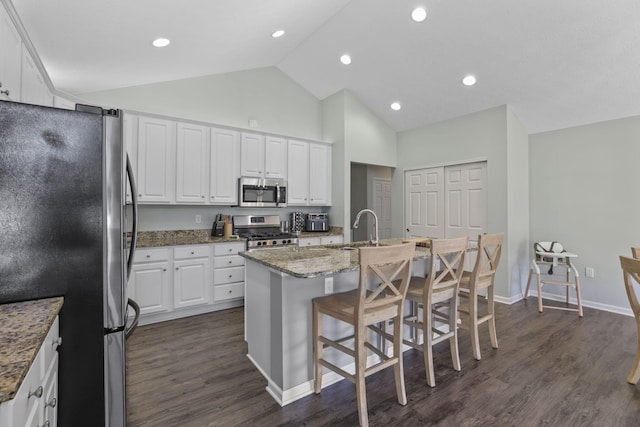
(533, 294)
(147, 319)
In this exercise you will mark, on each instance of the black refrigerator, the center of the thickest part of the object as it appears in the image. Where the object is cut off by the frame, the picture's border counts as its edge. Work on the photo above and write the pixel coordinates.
(63, 232)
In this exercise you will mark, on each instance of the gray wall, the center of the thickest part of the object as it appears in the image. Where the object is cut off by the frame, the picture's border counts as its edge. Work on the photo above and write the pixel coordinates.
(494, 135)
(584, 194)
(267, 95)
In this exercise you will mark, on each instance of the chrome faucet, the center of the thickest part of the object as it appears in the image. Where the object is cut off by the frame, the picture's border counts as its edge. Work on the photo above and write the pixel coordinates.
(373, 240)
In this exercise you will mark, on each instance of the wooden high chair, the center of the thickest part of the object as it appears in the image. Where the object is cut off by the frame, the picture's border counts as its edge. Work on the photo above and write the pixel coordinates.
(631, 272)
(383, 284)
(480, 279)
(547, 257)
(437, 295)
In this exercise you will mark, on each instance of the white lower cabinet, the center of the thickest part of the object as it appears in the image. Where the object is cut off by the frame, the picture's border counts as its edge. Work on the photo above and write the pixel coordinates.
(192, 276)
(36, 402)
(205, 278)
(150, 283)
(228, 273)
(324, 240)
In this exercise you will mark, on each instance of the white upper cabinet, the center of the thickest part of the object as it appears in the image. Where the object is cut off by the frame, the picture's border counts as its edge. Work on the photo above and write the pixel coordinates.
(275, 157)
(319, 174)
(10, 58)
(33, 88)
(298, 164)
(252, 155)
(130, 143)
(309, 182)
(156, 160)
(263, 157)
(224, 166)
(192, 163)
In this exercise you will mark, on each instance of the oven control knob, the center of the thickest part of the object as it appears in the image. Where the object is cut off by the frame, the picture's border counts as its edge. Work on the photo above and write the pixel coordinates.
(274, 243)
(259, 244)
(289, 241)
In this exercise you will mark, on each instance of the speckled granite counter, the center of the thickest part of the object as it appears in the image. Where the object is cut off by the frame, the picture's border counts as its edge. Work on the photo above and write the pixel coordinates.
(333, 231)
(23, 327)
(313, 261)
(149, 239)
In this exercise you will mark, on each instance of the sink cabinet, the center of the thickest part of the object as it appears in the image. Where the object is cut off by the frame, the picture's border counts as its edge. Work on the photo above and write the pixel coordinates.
(36, 401)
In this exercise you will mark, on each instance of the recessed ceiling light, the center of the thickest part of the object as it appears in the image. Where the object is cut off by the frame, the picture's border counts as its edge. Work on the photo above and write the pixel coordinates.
(469, 80)
(277, 34)
(396, 106)
(345, 59)
(161, 42)
(419, 14)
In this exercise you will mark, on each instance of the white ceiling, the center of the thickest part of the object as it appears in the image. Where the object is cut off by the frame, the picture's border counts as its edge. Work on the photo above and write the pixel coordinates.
(558, 63)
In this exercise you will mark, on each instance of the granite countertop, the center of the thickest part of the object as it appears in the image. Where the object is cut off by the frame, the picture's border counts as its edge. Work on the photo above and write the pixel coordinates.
(312, 261)
(150, 239)
(23, 327)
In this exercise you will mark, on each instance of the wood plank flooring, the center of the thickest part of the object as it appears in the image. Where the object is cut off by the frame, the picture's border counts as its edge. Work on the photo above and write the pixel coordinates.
(552, 369)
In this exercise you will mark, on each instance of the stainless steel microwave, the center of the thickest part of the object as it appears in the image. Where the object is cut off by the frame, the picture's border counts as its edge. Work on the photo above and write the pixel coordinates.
(262, 192)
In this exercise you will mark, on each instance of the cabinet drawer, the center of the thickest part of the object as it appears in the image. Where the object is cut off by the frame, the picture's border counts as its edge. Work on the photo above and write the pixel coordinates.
(228, 261)
(330, 240)
(228, 275)
(147, 255)
(49, 346)
(186, 252)
(228, 248)
(224, 292)
(309, 241)
(24, 407)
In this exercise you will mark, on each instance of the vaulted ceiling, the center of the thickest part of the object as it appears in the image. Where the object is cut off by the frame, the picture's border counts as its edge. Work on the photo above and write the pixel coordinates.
(558, 63)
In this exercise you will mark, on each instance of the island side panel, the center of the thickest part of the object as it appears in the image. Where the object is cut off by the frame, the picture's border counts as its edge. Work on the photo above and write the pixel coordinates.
(297, 334)
(257, 306)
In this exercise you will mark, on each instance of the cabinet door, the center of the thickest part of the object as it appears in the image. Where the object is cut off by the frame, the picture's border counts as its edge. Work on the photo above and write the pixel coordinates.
(192, 283)
(319, 174)
(275, 157)
(156, 159)
(149, 286)
(10, 58)
(130, 142)
(50, 403)
(252, 155)
(31, 81)
(298, 181)
(224, 166)
(192, 163)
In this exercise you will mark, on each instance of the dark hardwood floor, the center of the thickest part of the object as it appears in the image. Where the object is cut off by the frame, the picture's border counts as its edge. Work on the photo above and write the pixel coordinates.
(551, 369)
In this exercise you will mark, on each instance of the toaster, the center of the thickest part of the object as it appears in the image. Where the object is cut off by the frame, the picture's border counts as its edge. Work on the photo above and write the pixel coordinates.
(317, 222)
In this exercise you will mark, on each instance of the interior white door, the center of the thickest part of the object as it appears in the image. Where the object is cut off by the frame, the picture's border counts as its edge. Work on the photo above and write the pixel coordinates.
(382, 205)
(466, 200)
(424, 202)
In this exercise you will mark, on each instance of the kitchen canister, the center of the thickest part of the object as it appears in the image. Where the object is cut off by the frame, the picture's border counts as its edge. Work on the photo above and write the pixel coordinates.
(297, 222)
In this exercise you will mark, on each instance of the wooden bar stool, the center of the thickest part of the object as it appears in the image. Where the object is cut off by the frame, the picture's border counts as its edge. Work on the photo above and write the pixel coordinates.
(631, 272)
(552, 255)
(480, 279)
(382, 287)
(437, 295)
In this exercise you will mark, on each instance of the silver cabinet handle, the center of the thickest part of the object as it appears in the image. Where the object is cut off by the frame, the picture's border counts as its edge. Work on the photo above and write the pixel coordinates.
(202, 197)
(53, 402)
(230, 262)
(56, 342)
(4, 92)
(192, 252)
(177, 268)
(148, 256)
(164, 269)
(37, 393)
(230, 291)
(230, 276)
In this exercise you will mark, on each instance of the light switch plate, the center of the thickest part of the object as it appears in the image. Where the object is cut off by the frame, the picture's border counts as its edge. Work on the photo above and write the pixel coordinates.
(328, 285)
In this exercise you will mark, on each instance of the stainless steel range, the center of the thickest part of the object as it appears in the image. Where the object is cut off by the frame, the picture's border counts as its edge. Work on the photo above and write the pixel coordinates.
(262, 231)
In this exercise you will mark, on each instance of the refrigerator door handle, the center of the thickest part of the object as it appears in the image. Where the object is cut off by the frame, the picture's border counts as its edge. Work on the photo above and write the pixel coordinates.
(134, 226)
(129, 329)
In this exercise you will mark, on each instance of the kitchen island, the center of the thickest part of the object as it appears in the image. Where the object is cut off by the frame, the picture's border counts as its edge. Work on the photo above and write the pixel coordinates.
(279, 286)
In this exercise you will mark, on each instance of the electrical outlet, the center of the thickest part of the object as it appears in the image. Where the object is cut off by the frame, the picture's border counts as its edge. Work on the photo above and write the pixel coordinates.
(198, 219)
(328, 285)
(589, 272)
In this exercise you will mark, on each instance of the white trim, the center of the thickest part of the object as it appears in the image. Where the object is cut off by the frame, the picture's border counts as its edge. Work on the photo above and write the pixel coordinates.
(450, 163)
(187, 312)
(585, 303)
